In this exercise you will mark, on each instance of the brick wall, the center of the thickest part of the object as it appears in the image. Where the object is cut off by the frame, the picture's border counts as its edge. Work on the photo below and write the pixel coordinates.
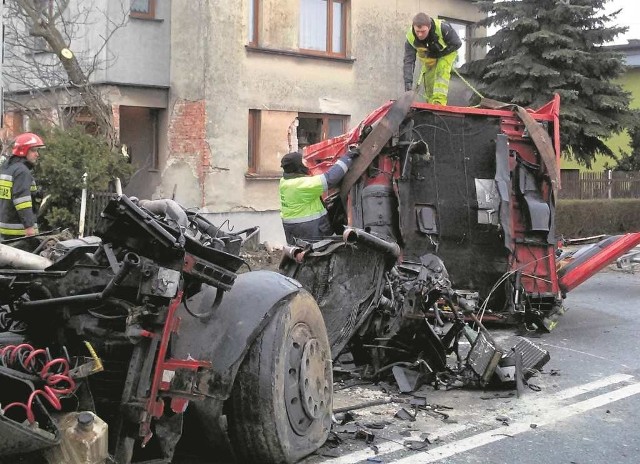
(115, 117)
(13, 123)
(187, 136)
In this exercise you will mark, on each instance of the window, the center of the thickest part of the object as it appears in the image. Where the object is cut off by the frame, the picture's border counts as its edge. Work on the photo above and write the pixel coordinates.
(143, 9)
(323, 25)
(314, 128)
(463, 29)
(286, 131)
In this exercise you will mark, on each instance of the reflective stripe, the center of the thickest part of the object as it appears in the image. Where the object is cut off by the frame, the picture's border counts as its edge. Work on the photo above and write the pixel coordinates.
(343, 166)
(24, 199)
(313, 217)
(25, 205)
(23, 202)
(14, 229)
(12, 232)
(8, 177)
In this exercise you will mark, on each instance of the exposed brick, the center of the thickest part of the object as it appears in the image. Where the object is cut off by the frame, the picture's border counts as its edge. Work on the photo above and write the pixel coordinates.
(187, 136)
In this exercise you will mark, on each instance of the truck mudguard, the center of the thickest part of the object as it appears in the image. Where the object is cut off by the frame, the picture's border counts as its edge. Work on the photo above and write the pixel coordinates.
(225, 337)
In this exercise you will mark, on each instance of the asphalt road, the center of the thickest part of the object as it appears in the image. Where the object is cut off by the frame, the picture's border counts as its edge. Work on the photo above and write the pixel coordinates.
(587, 409)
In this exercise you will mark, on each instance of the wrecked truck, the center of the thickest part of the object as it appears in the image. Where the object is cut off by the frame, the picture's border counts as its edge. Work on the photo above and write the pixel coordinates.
(150, 327)
(446, 217)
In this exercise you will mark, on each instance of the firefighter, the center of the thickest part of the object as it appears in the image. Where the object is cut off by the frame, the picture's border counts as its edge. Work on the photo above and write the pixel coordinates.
(435, 43)
(301, 209)
(18, 188)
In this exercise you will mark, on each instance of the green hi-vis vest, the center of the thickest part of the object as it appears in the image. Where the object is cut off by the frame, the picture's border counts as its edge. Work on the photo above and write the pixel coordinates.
(300, 199)
(422, 51)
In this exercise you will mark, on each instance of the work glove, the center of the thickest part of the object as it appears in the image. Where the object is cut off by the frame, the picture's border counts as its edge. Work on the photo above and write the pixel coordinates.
(353, 152)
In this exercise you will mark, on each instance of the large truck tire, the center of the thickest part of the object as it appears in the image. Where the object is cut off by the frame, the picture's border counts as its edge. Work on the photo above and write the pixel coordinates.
(280, 405)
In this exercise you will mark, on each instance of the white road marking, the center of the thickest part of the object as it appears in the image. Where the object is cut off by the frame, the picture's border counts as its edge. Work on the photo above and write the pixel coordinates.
(516, 428)
(588, 387)
(390, 447)
(387, 447)
(581, 352)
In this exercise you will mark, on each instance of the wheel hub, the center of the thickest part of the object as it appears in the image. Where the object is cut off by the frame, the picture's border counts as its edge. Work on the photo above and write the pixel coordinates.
(307, 392)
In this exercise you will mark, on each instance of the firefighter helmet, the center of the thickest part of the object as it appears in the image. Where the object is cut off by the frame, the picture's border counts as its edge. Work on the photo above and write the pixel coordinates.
(24, 142)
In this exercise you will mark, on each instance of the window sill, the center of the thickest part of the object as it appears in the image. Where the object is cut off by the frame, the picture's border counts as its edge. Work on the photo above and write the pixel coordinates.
(262, 176)
(143, 18)
(297, 54)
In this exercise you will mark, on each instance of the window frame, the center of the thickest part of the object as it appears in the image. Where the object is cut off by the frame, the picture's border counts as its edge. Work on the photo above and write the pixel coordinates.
(466, 44)
(151, 14)
(343, 26)
(254, 141)
(325, 117)
(254, 20)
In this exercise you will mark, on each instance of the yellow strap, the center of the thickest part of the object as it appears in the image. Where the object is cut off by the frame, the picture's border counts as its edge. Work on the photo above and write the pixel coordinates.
(467, 83)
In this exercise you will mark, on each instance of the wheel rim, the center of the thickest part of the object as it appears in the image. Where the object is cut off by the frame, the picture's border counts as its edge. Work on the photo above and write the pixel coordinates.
(307, 392)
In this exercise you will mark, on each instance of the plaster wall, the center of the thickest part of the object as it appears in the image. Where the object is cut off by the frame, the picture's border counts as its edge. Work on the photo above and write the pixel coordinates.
(211, 62)
(136, 51)
(139, 53)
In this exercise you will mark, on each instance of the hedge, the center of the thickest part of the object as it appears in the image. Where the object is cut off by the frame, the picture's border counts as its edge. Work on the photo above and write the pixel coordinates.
(585, 218)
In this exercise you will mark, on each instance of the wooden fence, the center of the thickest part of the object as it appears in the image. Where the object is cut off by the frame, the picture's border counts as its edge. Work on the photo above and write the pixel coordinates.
(599, 185)
(96, 202)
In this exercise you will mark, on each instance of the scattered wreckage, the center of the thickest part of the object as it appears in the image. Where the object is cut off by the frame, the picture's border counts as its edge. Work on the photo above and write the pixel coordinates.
(151, 317)
(444, 222)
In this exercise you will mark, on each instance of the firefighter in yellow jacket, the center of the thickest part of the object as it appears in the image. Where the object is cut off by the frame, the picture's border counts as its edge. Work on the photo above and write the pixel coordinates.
(18, 188)
(301, 209)
(435, 43)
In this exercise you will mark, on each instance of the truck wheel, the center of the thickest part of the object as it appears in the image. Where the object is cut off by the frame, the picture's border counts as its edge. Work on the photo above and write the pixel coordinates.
(280, 405)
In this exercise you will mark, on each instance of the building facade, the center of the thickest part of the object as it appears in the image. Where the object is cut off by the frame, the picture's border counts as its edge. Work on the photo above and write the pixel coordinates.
(208, 96)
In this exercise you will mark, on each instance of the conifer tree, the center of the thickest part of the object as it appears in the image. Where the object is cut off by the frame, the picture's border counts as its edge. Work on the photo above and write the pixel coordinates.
(543, 47)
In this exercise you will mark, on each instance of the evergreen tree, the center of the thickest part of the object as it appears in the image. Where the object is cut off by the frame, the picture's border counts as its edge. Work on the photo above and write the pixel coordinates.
(544, 47)
(631, 161)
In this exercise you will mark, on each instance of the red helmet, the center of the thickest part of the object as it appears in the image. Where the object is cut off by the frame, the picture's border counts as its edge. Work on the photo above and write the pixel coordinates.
(26, 141)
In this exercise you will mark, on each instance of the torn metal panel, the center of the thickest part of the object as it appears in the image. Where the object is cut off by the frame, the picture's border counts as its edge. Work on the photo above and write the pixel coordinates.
(488, 201)
(484, 356)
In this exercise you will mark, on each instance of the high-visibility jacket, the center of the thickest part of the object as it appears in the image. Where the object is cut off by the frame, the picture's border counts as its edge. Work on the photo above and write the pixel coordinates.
(430, 48)
(17, 192)
(301, 209)
(442, 40)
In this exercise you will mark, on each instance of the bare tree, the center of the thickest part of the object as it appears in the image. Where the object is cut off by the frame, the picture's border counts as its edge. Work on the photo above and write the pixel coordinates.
(40, 37)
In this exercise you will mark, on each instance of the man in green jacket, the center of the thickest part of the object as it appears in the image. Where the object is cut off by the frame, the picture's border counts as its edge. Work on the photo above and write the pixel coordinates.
(301, 209)
(18, 188)
(435, 43)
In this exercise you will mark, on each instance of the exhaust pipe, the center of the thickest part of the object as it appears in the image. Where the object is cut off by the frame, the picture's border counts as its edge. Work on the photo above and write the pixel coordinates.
(14, 258)
(352, 235)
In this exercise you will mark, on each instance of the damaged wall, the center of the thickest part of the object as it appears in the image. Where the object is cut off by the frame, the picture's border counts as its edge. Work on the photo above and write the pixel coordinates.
(214, 65)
